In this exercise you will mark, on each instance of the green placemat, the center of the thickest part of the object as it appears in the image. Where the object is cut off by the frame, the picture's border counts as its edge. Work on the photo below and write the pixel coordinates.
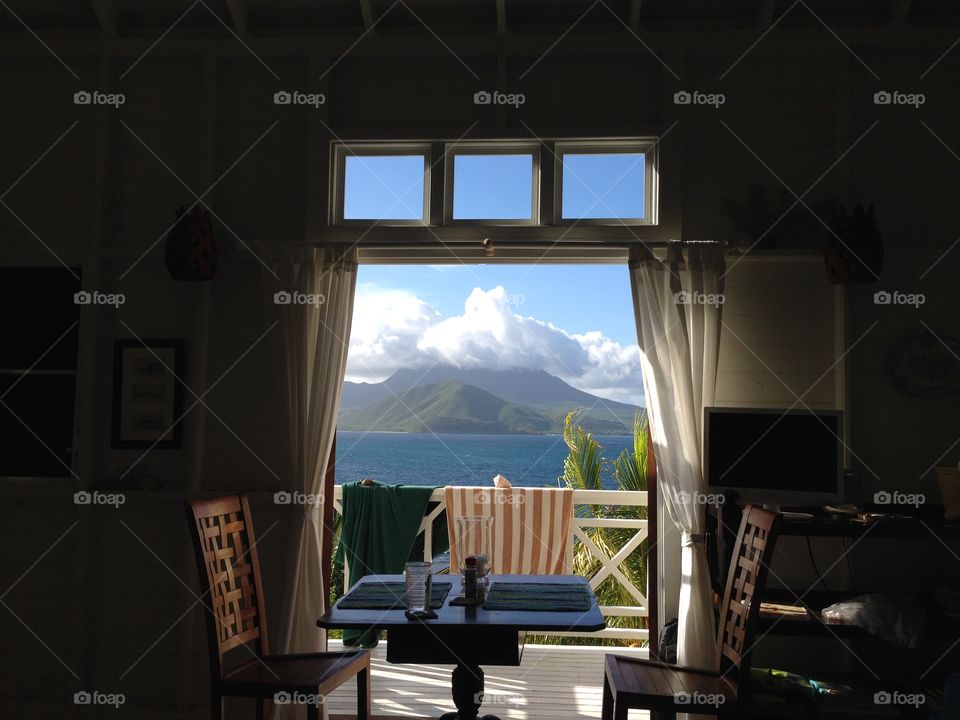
(388, 596)
(556, 597)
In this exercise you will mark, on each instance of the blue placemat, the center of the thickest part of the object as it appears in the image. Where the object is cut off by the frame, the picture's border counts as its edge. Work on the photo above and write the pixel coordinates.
(388, 596)
(556, 597)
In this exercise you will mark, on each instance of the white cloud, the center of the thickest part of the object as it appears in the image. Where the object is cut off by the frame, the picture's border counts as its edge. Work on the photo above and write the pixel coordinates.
(394, 329)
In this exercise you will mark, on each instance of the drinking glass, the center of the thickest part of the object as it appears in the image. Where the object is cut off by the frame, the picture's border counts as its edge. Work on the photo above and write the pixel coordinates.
(475, 537)
(419, 584)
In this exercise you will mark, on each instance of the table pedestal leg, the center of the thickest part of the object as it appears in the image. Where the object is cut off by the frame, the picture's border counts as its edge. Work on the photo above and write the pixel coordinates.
(467, 690)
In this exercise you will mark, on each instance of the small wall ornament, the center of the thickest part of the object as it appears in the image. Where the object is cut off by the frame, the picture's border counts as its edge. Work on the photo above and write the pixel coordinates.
(191, 250)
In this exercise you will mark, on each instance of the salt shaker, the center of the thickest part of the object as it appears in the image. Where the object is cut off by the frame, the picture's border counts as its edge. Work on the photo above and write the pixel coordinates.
(470, 577)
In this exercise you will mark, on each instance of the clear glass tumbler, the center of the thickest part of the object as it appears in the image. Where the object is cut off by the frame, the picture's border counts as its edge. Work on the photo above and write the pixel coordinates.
(419, 586)
(475, 537)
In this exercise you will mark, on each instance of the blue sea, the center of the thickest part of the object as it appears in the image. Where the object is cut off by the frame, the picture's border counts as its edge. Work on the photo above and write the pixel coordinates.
(448, 459)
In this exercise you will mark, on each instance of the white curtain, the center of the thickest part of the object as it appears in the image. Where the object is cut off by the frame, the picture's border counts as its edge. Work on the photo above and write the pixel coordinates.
(313, 294)
(677, 303)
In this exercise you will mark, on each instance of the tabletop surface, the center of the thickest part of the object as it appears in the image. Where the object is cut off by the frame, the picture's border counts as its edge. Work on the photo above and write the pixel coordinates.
(461, 616)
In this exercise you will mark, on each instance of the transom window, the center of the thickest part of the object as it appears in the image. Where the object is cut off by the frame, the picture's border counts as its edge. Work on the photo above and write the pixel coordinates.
(492, 184)
(601, 184)
(496, 182)
(382, 184)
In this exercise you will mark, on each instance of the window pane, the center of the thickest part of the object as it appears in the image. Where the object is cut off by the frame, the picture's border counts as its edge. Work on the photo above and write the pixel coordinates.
(45, 405)
(607, 185)
(30, 338)
(493, 187)
(383, 187)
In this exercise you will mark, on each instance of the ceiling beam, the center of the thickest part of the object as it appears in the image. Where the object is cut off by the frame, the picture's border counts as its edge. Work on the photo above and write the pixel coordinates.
(635, 15)
(898, 12)
(106, 12)
(501, 17)
(366, 10)
(239, 17)
(299, 39)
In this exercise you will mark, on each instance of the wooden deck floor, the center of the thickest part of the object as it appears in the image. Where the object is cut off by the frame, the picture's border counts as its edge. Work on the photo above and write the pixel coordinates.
(551, 683)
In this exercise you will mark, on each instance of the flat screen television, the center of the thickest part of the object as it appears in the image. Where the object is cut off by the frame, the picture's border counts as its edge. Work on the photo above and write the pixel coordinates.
(778, 457)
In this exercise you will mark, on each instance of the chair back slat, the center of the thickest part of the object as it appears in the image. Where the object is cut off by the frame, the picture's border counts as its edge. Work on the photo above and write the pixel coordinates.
(740, 607)
(229, 568)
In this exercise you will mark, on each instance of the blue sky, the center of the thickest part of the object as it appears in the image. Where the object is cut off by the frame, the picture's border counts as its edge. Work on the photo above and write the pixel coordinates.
(577, 298)
(495, 186)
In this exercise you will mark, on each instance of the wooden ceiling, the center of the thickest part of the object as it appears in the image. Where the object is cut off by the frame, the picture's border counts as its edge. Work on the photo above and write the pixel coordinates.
(266, 18)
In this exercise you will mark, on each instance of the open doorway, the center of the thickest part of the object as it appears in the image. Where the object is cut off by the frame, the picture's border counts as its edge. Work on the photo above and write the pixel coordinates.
(457, 372)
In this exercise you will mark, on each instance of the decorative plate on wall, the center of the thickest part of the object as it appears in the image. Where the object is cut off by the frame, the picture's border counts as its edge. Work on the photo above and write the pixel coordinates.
(926, 366)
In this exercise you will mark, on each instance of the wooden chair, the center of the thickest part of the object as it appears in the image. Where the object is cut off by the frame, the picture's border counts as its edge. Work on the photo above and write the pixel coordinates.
(656, 686)
(228, 561)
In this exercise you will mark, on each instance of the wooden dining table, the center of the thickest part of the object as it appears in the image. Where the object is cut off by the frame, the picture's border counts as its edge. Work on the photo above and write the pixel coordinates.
(465, 636)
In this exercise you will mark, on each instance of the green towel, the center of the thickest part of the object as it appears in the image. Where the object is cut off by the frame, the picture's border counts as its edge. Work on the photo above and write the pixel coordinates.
(380, 524)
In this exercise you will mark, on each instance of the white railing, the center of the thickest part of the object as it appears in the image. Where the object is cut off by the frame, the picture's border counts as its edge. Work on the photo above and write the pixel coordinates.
(609, 566)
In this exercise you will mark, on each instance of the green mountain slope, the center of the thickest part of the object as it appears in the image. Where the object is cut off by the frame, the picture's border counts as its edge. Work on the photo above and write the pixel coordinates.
(455, 407)
(535, 390)
(452, 407)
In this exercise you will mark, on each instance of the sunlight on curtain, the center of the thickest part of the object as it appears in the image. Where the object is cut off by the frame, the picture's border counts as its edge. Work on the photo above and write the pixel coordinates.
(678, 304)
(312, 296)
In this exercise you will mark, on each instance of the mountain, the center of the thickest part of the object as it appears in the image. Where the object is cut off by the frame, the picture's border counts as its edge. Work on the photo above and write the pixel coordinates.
(450, 407)
(531, 401)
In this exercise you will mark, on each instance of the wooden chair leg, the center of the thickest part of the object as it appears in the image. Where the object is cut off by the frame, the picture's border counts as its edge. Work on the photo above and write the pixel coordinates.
(606, 713)
(363, 694)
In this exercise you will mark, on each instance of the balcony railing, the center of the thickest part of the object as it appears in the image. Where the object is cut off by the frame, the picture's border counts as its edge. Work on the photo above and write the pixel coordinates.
(583, 521)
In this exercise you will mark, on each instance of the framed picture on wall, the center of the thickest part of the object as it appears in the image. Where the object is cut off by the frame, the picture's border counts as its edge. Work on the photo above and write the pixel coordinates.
(147, 396)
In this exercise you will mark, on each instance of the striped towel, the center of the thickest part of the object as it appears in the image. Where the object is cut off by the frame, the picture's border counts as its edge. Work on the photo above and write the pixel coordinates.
(531, 527)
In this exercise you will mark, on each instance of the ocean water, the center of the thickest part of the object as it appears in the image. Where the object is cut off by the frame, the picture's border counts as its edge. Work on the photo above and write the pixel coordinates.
(448, 459)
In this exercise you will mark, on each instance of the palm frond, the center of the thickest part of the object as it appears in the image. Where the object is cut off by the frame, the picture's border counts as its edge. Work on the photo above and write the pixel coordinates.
(583, 469)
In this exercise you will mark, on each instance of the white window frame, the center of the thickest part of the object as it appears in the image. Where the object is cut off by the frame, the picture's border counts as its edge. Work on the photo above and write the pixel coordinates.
(437, 223)
(338, 179)
(493, 147)
(644, 146)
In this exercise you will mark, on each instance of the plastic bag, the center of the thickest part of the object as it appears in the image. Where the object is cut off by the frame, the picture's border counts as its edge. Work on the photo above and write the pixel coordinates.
(898, 619)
